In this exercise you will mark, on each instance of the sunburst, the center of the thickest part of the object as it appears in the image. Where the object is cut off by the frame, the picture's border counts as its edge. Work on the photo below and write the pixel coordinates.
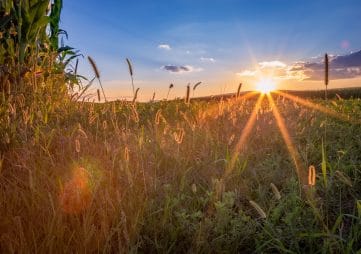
(301, 169)
(265, 85)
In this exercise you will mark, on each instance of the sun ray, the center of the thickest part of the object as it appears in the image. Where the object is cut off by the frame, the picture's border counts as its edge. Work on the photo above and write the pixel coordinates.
(318, 107)
(300, 170)
(246, 96)
(244, 136)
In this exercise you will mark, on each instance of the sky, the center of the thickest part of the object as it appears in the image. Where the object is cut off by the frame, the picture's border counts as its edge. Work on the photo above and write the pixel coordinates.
(220, 43)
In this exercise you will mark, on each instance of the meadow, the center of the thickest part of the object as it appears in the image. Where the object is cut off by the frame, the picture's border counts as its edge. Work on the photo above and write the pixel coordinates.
(244, 173)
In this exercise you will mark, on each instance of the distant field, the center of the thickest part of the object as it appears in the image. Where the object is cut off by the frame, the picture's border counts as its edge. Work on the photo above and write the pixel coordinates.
(345, 93)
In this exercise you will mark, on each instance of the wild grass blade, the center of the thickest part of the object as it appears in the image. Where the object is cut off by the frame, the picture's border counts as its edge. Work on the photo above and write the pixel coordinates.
(324, 165)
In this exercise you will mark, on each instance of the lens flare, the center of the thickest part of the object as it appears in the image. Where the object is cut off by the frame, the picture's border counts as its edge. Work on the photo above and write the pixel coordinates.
(76, 194)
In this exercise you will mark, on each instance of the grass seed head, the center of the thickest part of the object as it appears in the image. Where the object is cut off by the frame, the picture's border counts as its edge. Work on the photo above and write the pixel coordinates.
(259, 210)
(311, 175)
(196, 85)
(94, 66)
(275, 191)
(130, 67)
(77, 145)
(126, 154)
(326, 69)
(98, 93)
(187, 98)
(239, 90)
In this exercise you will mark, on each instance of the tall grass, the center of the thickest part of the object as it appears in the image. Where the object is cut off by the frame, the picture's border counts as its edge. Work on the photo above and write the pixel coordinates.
(110, 178)
(97, 75)
(130, 68)
(326, 74)
(195, 86)
(169, 88)
(187, 98)
(239, 90)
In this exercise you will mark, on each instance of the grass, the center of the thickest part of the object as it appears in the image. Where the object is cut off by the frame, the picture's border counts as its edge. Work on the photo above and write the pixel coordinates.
(118, 177)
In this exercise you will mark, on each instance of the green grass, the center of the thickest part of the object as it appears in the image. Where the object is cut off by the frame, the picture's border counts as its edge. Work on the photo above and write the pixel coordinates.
(144, 189)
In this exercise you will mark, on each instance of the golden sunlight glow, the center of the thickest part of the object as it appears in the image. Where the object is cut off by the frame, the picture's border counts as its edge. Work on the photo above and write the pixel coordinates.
(265, 85)
(320, 108)
(245, 134)
(301, 173)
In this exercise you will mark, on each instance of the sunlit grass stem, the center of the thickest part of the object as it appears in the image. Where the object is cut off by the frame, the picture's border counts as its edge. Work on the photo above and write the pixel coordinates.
(135, 95)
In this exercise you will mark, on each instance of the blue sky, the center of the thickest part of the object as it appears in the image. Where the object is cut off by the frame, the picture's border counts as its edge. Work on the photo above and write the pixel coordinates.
(218, 42)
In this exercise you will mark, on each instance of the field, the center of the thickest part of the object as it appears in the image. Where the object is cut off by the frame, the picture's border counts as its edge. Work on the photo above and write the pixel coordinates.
(248, 172)
(169, 177)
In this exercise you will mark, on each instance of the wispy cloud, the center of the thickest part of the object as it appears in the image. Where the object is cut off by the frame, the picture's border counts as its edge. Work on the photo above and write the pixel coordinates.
(341, 67)
(272, 64)
(207, 59)
(180, 69)
(164, 46)
(276, 69)
(247, 73)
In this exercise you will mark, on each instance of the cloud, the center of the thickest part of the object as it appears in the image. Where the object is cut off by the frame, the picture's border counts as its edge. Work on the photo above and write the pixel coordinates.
(340, 67)
(180, 69)
(247, 73)
(208, 59)
(164, 46)
(351, 60)
(276, 69)
(272, 64)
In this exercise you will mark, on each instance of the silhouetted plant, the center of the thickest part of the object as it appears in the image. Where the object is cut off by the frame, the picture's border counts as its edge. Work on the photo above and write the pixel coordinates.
(130, 68)
(170, 87)
(187, 98)
(97, 74)
(239, 90)
(326, 74)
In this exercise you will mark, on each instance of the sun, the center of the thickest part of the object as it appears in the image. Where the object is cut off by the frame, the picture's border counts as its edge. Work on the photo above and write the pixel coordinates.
(265, 85)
